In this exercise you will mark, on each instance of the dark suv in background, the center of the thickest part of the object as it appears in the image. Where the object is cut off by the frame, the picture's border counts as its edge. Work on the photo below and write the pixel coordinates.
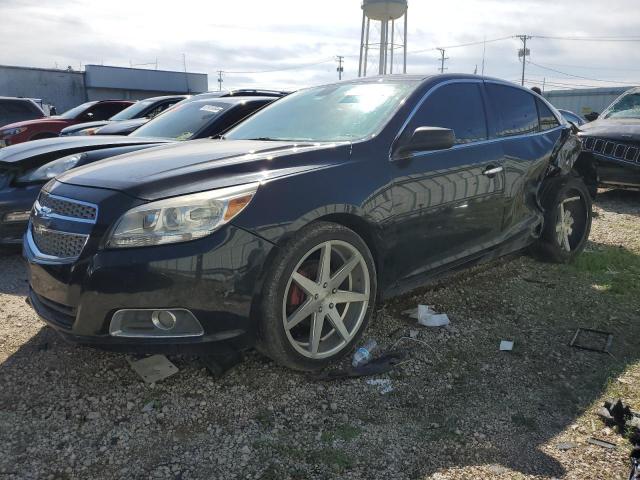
(13, 109)
(285, 232)
(612, 143)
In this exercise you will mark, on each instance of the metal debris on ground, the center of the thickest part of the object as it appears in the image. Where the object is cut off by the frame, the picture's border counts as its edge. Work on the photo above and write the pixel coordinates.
(601, 443)
(566, 446)
(506, 346)
(592, 340)
(384, 384)
(154, 368)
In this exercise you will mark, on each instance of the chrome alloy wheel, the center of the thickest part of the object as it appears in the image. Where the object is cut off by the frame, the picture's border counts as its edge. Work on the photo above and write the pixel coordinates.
(326, 299)
(565, 224)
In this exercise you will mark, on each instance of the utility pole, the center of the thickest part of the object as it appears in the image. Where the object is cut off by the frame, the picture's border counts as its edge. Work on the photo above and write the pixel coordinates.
(220, 79)
(340, 68)
(442, 59)
(524, 53)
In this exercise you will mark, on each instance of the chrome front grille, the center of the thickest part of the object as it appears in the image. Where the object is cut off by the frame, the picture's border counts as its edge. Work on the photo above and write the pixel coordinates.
(67, 208)
(60, 227)
(608, 148)
(61, 245)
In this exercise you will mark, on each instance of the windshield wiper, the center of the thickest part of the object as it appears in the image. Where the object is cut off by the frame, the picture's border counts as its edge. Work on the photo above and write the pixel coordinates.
(265, 139)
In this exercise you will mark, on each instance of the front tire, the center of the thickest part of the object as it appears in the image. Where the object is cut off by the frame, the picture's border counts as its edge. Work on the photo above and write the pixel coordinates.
(568, 215)
(318, 297)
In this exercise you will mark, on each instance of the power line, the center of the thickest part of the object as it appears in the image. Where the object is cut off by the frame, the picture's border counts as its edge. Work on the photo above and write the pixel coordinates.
(579, 76)
(470, 44)
(630, 38)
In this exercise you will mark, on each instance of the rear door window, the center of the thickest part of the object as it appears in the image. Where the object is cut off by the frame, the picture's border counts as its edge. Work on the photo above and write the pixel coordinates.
(104, 111)
(548, 120)
(515, 108)
(458, 106)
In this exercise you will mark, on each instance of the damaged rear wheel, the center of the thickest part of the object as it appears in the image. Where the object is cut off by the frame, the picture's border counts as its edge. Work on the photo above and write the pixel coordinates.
(568, 215)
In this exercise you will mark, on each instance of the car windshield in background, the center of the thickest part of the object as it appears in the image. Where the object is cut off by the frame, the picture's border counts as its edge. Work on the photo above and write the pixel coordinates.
(75, 111)
(182, 121)
(131, 112)
(332, 113)
(628, 106)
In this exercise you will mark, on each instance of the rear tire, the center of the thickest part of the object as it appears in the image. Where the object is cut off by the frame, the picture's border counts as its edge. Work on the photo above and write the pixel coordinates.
(568, 215)
(318, 297)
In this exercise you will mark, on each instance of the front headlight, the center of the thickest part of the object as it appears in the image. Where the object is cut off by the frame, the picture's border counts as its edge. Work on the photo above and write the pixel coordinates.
(180, 219)
(12, 131)
(51, 169)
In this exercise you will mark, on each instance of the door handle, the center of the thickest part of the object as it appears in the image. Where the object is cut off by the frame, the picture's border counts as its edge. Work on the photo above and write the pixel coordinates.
(491, 171)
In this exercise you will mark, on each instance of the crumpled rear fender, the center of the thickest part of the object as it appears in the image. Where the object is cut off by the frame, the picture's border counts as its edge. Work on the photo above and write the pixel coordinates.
(565, 153)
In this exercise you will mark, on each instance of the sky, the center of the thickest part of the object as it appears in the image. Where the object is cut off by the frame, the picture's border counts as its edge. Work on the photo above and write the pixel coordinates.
(286, 44)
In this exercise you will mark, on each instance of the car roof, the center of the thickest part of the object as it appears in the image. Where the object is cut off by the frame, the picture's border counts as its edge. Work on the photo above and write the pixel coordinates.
(231, 100)
(164, 97)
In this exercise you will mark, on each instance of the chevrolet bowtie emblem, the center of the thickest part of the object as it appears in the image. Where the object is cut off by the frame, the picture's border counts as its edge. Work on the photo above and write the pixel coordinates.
(45, 211)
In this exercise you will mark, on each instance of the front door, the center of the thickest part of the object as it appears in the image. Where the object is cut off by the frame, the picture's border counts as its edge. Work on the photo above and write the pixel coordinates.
(447, 204)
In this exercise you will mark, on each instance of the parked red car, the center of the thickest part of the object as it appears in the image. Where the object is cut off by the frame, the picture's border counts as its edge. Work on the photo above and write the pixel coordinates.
(50, 126)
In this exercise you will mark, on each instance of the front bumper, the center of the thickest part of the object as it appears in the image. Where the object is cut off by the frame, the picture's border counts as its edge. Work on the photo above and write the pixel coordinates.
(14, 200)
(216, 278)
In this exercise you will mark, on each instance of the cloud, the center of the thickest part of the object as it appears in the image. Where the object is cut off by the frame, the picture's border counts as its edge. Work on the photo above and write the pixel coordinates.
(251, 36)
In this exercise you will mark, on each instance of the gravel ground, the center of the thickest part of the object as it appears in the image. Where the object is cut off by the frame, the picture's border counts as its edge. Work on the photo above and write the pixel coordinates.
(459, 409)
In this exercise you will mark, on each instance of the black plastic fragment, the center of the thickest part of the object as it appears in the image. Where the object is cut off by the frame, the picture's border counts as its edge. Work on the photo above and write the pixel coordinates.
(377, 366)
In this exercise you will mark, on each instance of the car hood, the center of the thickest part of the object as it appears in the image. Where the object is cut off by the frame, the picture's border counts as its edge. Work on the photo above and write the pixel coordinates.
(622, 129)
(37, 152)
(114, 128)
(36, 121)
(82, 126)
(200, 165)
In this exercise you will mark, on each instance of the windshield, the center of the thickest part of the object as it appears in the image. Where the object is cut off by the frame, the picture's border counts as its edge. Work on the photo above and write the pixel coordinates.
(134, 111)
(627, 106)
(330, 113)
(75, 111)
(181, 122)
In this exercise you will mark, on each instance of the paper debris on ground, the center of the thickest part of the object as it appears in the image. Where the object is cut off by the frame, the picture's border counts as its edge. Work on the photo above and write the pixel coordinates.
(384, 384)
(427, 316)
(506, 346)
(154, 368)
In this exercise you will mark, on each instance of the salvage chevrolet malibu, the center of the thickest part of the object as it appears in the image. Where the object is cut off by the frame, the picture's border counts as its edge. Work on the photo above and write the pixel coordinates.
(284, 233)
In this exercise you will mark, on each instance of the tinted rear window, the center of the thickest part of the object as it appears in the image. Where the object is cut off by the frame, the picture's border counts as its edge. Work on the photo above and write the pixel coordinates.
(516, 110)
(547, 119)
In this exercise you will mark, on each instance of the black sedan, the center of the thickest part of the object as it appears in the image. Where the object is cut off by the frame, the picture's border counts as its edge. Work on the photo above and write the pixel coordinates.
(25, 168)
(285, 233)
(612, 143)
(141, 112)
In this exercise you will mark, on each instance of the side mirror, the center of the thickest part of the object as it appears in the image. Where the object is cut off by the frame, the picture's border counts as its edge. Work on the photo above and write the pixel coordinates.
(592, 116)
(425, 139)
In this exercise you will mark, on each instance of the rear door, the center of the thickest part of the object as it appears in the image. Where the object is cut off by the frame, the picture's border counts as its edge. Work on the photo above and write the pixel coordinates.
(527, 131)
(447, 204)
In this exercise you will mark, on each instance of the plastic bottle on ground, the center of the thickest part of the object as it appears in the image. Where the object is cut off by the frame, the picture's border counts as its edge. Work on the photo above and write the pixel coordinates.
(363, 354)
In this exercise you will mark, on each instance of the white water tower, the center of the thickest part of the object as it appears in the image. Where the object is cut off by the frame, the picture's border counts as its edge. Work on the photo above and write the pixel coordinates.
(387, 12)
